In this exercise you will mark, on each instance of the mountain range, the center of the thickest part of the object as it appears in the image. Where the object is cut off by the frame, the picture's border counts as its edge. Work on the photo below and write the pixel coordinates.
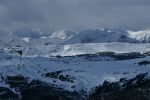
(65, 37)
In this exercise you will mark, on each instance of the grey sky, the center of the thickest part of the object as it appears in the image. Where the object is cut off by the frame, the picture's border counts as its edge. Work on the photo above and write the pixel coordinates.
(68, 14)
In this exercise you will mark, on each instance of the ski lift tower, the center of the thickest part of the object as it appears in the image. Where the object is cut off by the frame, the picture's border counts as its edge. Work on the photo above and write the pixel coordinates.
(20, 55)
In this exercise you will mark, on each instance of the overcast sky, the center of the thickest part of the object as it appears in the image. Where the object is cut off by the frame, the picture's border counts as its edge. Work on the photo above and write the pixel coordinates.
(78, 14)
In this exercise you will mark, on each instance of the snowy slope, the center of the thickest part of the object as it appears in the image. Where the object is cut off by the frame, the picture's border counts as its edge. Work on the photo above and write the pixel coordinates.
(64, 35)
(86, 48)
(85, 75)
(141, 36)
(13, 40)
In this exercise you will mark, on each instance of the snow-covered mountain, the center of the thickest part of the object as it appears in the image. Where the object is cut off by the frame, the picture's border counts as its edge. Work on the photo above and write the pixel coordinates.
(109, 35)
(140, 36)
(98, 36)
(13, 40)
(76, 62)
(28, 33)
(64, 35)
(84, 36)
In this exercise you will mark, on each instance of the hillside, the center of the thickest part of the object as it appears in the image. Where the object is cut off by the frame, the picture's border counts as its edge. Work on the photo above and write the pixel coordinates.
(71, 68)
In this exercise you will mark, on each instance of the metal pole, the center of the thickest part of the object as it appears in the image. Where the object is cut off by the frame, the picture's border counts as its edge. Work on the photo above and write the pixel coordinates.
(20, 60)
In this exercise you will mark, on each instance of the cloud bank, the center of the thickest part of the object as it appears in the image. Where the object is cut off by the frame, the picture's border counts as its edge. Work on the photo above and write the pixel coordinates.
(76, 14)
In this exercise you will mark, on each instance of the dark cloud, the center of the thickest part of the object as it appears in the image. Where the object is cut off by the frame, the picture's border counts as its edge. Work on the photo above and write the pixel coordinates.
(66, 14)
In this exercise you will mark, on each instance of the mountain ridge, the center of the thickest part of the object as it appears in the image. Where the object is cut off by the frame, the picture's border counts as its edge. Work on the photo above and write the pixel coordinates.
(65, 37)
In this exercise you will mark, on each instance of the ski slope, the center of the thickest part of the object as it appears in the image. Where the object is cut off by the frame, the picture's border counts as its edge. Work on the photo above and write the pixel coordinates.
(86, 48)
(85, 74)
